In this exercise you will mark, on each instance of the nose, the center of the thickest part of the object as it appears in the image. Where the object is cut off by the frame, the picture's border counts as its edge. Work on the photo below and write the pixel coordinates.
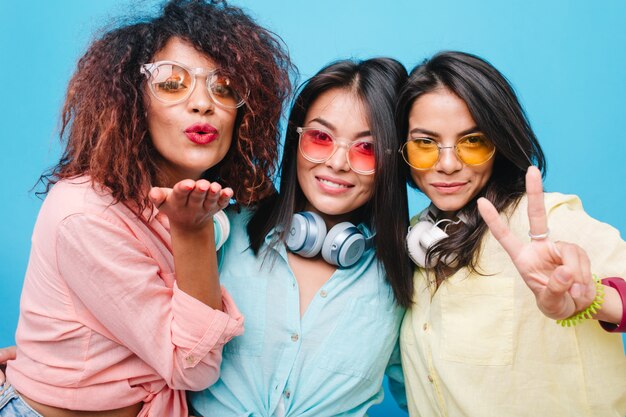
(338, 161)
(448, 161)
(200, 101)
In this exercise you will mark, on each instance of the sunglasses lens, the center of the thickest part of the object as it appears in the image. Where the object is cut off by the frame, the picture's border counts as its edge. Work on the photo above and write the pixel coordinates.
(362, 157)
(170, 82)
(316, 145)
(475, 149)
(223, 91)
(420, 153)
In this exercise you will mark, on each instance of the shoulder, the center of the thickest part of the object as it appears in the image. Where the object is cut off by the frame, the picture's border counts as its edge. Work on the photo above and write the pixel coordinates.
(556, 200)
(80, 197)
(239, 217)
(555, 203)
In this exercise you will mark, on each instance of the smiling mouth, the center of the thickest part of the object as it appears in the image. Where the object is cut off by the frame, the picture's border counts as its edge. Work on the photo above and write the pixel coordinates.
(333, 184)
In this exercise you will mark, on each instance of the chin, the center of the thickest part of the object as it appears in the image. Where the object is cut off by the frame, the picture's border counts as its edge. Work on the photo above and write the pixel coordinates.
(448, 206)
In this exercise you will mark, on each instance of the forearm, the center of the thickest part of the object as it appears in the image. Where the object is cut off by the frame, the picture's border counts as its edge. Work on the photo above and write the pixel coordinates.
(195, 263)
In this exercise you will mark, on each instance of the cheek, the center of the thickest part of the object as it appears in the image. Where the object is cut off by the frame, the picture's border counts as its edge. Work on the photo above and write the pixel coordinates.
(158, 121)
(418, 177)
(302, 165)
(367, 183)
(485, 173)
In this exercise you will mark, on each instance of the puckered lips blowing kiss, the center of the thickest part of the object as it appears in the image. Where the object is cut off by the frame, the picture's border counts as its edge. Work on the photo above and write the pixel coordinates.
(201, 133)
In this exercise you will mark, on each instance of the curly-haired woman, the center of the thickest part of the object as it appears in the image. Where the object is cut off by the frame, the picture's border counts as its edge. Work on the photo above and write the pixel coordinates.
(121, 309)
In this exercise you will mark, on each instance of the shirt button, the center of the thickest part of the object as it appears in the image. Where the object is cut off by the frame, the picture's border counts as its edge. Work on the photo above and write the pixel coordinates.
(287, 394)
(190, 359)
(323, 294)
(294, 337)
(425, 326)
(430, 378)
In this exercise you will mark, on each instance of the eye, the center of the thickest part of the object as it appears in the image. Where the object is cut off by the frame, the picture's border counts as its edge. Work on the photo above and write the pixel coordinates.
(424, 143)
(474, 141)
(221, 86)
(172, 84)
(364, 148)
(319, 136)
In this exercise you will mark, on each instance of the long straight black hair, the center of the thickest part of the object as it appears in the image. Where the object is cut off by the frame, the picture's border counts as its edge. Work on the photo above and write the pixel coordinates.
(498, 114)
(376, 82)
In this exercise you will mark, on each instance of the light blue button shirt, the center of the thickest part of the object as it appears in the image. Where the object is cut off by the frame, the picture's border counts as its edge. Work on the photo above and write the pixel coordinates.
(329, 362)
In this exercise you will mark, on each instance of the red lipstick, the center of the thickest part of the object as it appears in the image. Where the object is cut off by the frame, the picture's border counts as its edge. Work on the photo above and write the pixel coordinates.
(201, 133)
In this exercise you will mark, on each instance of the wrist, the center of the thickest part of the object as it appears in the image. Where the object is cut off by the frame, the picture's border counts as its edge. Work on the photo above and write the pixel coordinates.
(193, 231)
(618, 285)
(588, 313)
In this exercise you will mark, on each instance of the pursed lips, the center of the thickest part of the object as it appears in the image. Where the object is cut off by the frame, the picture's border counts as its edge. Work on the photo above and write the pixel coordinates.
(201, 133)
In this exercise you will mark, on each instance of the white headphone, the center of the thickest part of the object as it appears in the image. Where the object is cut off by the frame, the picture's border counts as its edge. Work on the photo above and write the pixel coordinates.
(221, 226)
(343, 245)
(426, 233)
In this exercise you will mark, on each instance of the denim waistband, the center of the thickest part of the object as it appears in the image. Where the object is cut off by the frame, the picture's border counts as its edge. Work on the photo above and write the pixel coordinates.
(11, 404)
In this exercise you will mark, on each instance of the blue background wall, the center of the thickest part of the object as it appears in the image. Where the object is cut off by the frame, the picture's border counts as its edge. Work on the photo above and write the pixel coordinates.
(566, 58)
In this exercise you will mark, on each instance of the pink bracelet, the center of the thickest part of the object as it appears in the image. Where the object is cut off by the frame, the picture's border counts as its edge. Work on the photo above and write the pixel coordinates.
(620, 286)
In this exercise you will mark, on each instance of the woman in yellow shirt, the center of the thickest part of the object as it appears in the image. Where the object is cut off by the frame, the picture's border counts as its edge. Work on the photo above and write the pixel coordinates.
(481, 338)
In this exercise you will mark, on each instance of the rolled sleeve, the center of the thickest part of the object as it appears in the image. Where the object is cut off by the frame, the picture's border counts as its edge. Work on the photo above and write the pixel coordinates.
(198, 329)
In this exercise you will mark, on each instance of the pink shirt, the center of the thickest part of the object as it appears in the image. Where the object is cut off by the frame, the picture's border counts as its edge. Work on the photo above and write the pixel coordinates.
(102, 323)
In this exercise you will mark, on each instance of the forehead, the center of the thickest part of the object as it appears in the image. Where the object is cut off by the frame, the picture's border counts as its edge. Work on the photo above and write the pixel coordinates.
(179, 50)
(341, 109)
(440, 111)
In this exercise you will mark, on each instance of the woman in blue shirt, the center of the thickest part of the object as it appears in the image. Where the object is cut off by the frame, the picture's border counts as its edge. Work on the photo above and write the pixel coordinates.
(322, 310)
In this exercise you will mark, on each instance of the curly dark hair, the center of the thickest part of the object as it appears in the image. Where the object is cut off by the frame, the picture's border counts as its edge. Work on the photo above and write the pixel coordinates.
(104, 115)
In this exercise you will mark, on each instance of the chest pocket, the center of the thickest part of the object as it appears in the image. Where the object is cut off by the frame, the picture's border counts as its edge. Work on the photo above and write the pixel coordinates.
(362, 341)
(477, 320)
(249, 294)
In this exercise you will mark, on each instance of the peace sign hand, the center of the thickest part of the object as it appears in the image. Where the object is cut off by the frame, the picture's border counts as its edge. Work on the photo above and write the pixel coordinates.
(558, 273)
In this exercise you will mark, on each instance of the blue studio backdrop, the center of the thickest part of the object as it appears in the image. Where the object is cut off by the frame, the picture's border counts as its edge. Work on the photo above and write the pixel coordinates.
(566, 59)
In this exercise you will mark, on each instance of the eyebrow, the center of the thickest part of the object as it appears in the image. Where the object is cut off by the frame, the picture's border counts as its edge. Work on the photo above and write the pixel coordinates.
(332, 127)
(419, 130)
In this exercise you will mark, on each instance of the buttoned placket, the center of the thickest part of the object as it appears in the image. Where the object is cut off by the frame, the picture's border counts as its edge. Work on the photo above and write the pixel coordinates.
(282, 394)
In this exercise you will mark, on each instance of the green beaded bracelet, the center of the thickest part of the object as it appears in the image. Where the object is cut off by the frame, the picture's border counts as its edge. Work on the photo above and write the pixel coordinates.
(587, 313)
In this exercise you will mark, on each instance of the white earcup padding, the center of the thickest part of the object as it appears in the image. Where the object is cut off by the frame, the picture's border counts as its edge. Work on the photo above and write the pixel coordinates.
(221, 226)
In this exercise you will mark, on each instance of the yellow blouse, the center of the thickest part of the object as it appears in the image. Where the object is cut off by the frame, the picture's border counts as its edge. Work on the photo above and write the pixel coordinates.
(479, 346)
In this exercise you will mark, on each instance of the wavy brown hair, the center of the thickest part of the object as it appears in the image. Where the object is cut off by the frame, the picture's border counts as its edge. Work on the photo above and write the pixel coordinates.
(495, 108)
(104, 116)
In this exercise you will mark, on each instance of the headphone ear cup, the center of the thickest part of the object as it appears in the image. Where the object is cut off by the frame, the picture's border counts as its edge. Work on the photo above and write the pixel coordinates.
(306, 234)
(432, 236)
(221, 226)
(422, 237)
(417, 252)
(344, 245)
